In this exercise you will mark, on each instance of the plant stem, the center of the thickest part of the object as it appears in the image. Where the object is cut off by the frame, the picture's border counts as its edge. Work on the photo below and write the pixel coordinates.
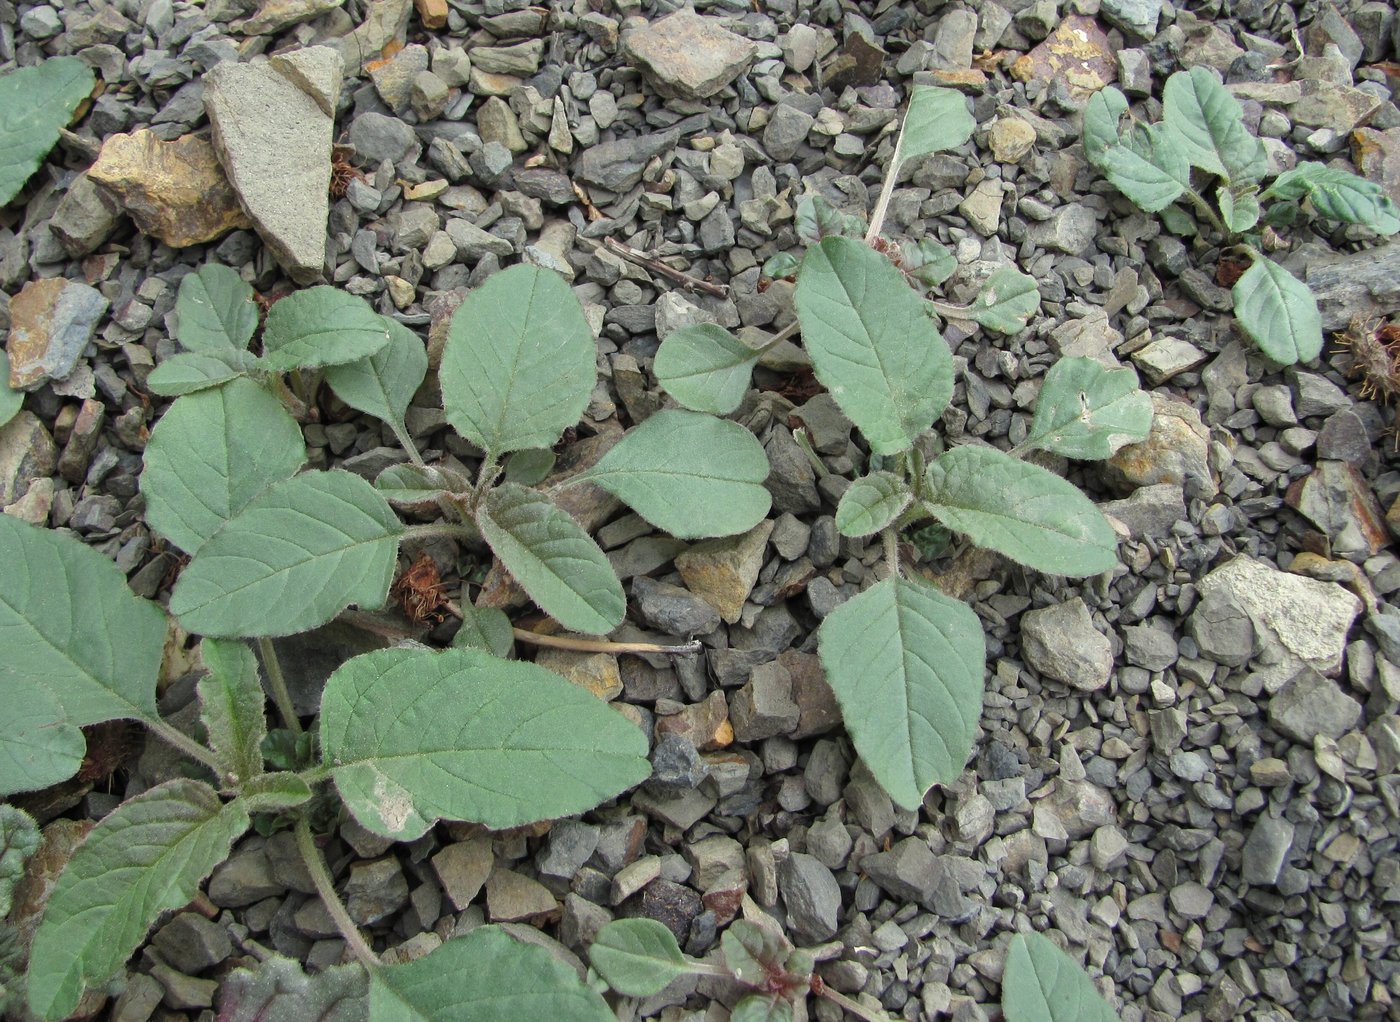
(950, 311)
(603, 645)
(433, 530)
(325, 887)
(854, 1007)
(882, 204)
(185, 744)
(277, 683)
(890, 538)
(299, 409)
(406, 442)
(782, 335)
(1205, 209)
(315, 775)
(805, 442)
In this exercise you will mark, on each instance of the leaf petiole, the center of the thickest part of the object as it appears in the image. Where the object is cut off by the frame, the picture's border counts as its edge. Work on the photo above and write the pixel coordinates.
(277, 684)
(325, 887)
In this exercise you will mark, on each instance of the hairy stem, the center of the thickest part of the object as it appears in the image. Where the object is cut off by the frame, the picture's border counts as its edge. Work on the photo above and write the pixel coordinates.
(173, 736)
(854, 1007)
(434, 530)
(325, 887)
(890, 539)
(277, 683)
(1204, 208)
(298, 408)
(805, 442)
(406, 442)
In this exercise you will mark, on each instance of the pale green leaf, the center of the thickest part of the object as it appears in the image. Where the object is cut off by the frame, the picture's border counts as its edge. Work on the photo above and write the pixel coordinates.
(10, 400)
(146, 857)
(1279, 312)
(927, 261)
(518, 367)
(906, 663)
(215, 311)
(1043, 984)
(486, 975)
(1239, 211)
(638, 957)
(213, 452)
(705, 368)
(753, 948)
(1147, 164)
(1338, 195)
(296, 556)
(1209, 125)
(937, 119)
(384, 383)
(268, 793)
(412, 736)
(35, 104)
(1089, 412)
(278, 991)
(191, 371)
(231, 707)
(689, 474)
(321, 326)
(816, 219)
(530, 467)
(410, 484)
(38, 747)
(485, 628)
(780, 265)
(1006, 302)
(1021, 510)
(762, 1008)
(19, 839)
(871, 343)
(553, 559)
(871, 503)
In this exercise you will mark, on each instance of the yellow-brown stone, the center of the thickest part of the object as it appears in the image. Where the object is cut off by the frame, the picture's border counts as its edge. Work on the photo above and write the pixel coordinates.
(1078, 51)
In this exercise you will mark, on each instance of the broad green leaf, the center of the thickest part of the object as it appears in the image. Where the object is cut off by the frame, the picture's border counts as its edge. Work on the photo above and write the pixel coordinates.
(72, 626)
(705, 368)
(783, 264)
(384, 383)
(296, 556)
(270, 792)
(213, 452)
(19, 839)
(1006, 302)
(321, 326)
(638, 957)
(13, 954)
(816, 219)
(485, 975)
(1148, 165)
(409, 484)
(690, 474)
(1043, 984)
(412, 736)
(1338, 195)
(277, 989)
(531, 467)
(1279, 312)
(751, 949)
(553, 559)
(190, 371)
(10, 400)
(762, 1008)
(35, 104)
(518, 367)
(937, 119)
(872, 502)
(1209, 124)
(231, 707)
(1239, 208)
(146, 857)
(215, 311)
(38, 747)
(929, 262)
(1021, 510)
(485, 628)
(1086, 411)
(906, 664)
(871, 344)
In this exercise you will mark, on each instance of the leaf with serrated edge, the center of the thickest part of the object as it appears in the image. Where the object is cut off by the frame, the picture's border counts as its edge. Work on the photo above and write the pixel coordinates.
(1209, 125)
(36, 103)
(296, 556)
(213, 452)
(1043, 984)
(412, 736)
(530, 467)
(638, 957)
(321, 326)
(277, 989)
(871, 343)
(485, 628)
(705, 368)
(215, 311)
(10, 400)
(906, 663)
(870, 503)
(552, 558)
(270, 792)
(1147, 164)
(937, 119)
(485, 975)
(689, 474)
(1020, 510)
(192, 371)
(147, 856)
(384, 383)
(518, 366)
(1279, 312)
(1338, 195)
(231, 707)
(1086, 411)
(37, 746)
(19, 839)
(1006, 302)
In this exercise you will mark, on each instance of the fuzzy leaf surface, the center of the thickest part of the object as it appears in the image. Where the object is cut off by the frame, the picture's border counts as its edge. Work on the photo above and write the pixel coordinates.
(1043, 984)
(530, 467)
(872, 346)
(762, 1008)
(38, 747)
(518, 366)
(321, 326)
(870, 503)
(1209, 124)
(1146, 164)
(937, 119)
(191, 371)
(553, 559)
(1006, 302)
(212, 453)
(409, 484)
(19, 839)
(296, 556)
(1338, 195)
(35, 104)
(10, 400)
(215, 311)
(149, 855)
(278, 989)
(906, 663)
(638, 957)
(928, 261)
(705, 368)
(231, 707)
(1239, 208)
(384, 383)
(1279, 312)
(270, 792)
(1088, 412)
(692, 475)
(485, 628)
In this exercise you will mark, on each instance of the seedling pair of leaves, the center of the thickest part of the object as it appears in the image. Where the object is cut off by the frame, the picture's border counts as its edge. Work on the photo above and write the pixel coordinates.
(1202, 128)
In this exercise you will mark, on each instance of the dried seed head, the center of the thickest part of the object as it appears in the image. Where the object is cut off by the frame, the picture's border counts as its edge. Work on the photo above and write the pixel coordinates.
(1375, 357)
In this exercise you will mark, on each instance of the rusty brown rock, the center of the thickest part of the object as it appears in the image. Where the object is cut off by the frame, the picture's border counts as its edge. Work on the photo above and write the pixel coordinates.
(1078, 51)
(51, 322)
(1336, 498)
(1175, 451)
(596, 672)
(722, 572)
(1377, 156)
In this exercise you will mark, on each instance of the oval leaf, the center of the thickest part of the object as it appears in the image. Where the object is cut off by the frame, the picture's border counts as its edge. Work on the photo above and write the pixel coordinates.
(37, 746)
(321, 326)
(1338, 195)
(871, 503)
(414, 735)
(1279, 312)
(192, 371)
(1147, 164)
(872, 346)
(938, 119)
(300, 552)
(213, 452)
(1086, 411)
(10, 400)
(690, 474)
(19, 839)
(705, 368)
(37, 102)
(1043, 984)
(518, 366)
(215, 311)
(1021, 510)
(1209, 125)
(1006, 302)
(638, 957)
(410, 484)
(485, 628)
(384, 383)
(231, 707)
(906, 664)
(146, 857)
(531, 467)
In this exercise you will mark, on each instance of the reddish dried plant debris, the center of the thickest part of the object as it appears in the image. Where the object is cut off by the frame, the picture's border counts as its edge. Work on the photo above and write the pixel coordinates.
(1228, 271)
(1375, 357)
(108, 744)
(420, 591)
(342, 173)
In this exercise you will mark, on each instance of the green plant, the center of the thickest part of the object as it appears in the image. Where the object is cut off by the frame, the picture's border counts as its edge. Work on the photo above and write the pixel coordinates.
(35, 104)
(1202, 127)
